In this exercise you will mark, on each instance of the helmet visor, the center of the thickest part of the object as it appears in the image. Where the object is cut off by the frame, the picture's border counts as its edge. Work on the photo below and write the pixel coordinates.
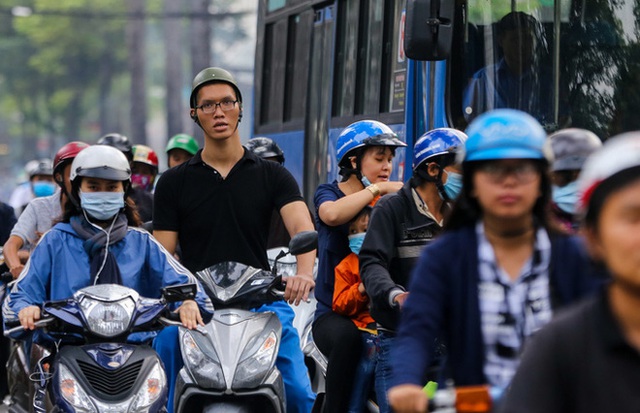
(105, 172)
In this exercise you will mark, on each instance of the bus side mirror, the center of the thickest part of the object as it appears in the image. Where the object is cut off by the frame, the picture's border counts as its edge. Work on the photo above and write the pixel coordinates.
(428, 29)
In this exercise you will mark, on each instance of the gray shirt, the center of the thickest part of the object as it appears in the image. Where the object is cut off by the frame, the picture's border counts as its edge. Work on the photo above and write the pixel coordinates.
(38, 218)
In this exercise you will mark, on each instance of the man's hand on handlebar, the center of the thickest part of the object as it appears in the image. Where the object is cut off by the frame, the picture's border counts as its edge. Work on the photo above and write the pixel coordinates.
(298, 288)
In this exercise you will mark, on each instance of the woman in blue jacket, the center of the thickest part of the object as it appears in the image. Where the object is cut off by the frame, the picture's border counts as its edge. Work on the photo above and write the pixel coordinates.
(94, 244)
(498, 272)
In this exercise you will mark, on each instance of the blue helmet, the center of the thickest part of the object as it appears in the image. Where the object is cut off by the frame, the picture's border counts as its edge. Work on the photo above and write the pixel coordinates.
(505, 134)
(436, 142)
(364, 133)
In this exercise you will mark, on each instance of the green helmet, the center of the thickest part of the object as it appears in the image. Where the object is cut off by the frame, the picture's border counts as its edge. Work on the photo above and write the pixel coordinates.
(183, 141)
(209, 75)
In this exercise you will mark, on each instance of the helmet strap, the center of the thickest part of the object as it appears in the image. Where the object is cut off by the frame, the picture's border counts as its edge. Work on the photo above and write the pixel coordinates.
(437, 180)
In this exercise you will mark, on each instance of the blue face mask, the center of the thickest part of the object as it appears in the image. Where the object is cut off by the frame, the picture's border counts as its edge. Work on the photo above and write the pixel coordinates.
(355, 242)
(453, 186)
(365, 181)
(566, 197)
(102, 205)
(43, 188)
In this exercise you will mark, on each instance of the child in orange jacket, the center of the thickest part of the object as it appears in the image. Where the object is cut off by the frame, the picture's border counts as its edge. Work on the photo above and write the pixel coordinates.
(351, 300)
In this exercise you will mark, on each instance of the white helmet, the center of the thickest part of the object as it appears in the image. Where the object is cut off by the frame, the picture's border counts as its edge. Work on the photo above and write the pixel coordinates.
(618, 154)
(101, 161)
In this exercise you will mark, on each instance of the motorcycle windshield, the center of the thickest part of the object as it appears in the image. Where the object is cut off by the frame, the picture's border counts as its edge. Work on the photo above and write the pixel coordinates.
(224, 280)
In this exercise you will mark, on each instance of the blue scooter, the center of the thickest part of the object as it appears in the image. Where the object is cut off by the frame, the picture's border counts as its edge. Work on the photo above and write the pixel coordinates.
(88, 366)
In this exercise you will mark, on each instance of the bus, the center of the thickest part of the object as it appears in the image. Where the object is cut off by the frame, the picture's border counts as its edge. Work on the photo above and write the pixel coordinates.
(420, 64)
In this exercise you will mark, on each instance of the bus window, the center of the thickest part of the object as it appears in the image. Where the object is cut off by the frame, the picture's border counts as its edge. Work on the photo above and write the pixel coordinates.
(370, 53)
(273, 69)
(370, 69)
(299, 35)
(575, 64)
(346, 58)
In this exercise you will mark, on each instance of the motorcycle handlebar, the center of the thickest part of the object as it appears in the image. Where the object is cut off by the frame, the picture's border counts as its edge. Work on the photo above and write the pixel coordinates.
(168, 321)
(39, 324)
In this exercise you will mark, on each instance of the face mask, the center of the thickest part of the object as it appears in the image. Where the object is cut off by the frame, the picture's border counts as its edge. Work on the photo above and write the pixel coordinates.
(102, 205)
(453, 186)
(365, 181)
(566, 197)
(141, 181)
(43, 188)
(355, 242)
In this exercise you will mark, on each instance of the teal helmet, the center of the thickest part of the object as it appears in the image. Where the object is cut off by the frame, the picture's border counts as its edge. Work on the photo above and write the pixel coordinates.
(505, 134)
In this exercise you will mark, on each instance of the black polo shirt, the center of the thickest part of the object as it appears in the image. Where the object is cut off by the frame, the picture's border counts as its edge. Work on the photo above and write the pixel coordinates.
(580, 362)
(220, 219)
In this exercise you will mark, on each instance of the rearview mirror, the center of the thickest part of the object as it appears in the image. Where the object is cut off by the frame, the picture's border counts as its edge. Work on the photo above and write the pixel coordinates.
(175, 293)
(303, 242)
(429, 29)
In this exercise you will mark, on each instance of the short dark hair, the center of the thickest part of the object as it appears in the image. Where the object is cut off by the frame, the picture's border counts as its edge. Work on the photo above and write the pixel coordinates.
(517, 20)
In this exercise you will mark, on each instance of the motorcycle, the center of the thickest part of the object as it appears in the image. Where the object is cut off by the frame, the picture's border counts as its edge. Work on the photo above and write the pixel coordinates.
(229, 366)
(315, 361)
(85, 363)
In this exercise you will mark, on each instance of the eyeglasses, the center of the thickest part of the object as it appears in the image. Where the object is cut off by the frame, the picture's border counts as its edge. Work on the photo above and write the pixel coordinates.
(524, 172)
(210, 107)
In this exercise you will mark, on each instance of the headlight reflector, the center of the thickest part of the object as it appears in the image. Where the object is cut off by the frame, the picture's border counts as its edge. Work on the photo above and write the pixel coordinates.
(107, 319)
(252, 370)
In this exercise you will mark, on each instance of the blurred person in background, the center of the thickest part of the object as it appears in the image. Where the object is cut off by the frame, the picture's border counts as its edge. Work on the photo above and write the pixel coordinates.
(588, 358)
(570, 148)
(40, 173)
(269, 150)
(144, 168)
(40, 214)
(140, 197)
(180, 148)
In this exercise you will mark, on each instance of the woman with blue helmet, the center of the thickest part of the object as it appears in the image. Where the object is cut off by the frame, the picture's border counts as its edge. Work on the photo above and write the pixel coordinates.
(401, 225)
(365, 150)
(515, 273)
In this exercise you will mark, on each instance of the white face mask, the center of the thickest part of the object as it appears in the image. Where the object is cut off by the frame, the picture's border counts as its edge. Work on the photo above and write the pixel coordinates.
(102, 205)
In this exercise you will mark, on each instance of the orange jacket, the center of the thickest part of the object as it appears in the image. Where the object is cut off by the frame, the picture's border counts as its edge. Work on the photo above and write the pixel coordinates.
(347, 300)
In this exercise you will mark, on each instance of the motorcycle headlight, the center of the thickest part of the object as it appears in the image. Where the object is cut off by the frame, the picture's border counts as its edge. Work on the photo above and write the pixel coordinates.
(72, 391)
(107, 319)
(150, 391)
(202, 362)
(253, 368)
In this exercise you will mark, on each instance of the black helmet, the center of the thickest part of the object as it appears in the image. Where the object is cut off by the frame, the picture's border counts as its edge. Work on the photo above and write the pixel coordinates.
(265, 148)
(118, 141)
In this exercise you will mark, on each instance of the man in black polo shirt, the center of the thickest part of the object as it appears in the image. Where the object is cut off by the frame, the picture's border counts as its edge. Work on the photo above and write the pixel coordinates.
(218, 207)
